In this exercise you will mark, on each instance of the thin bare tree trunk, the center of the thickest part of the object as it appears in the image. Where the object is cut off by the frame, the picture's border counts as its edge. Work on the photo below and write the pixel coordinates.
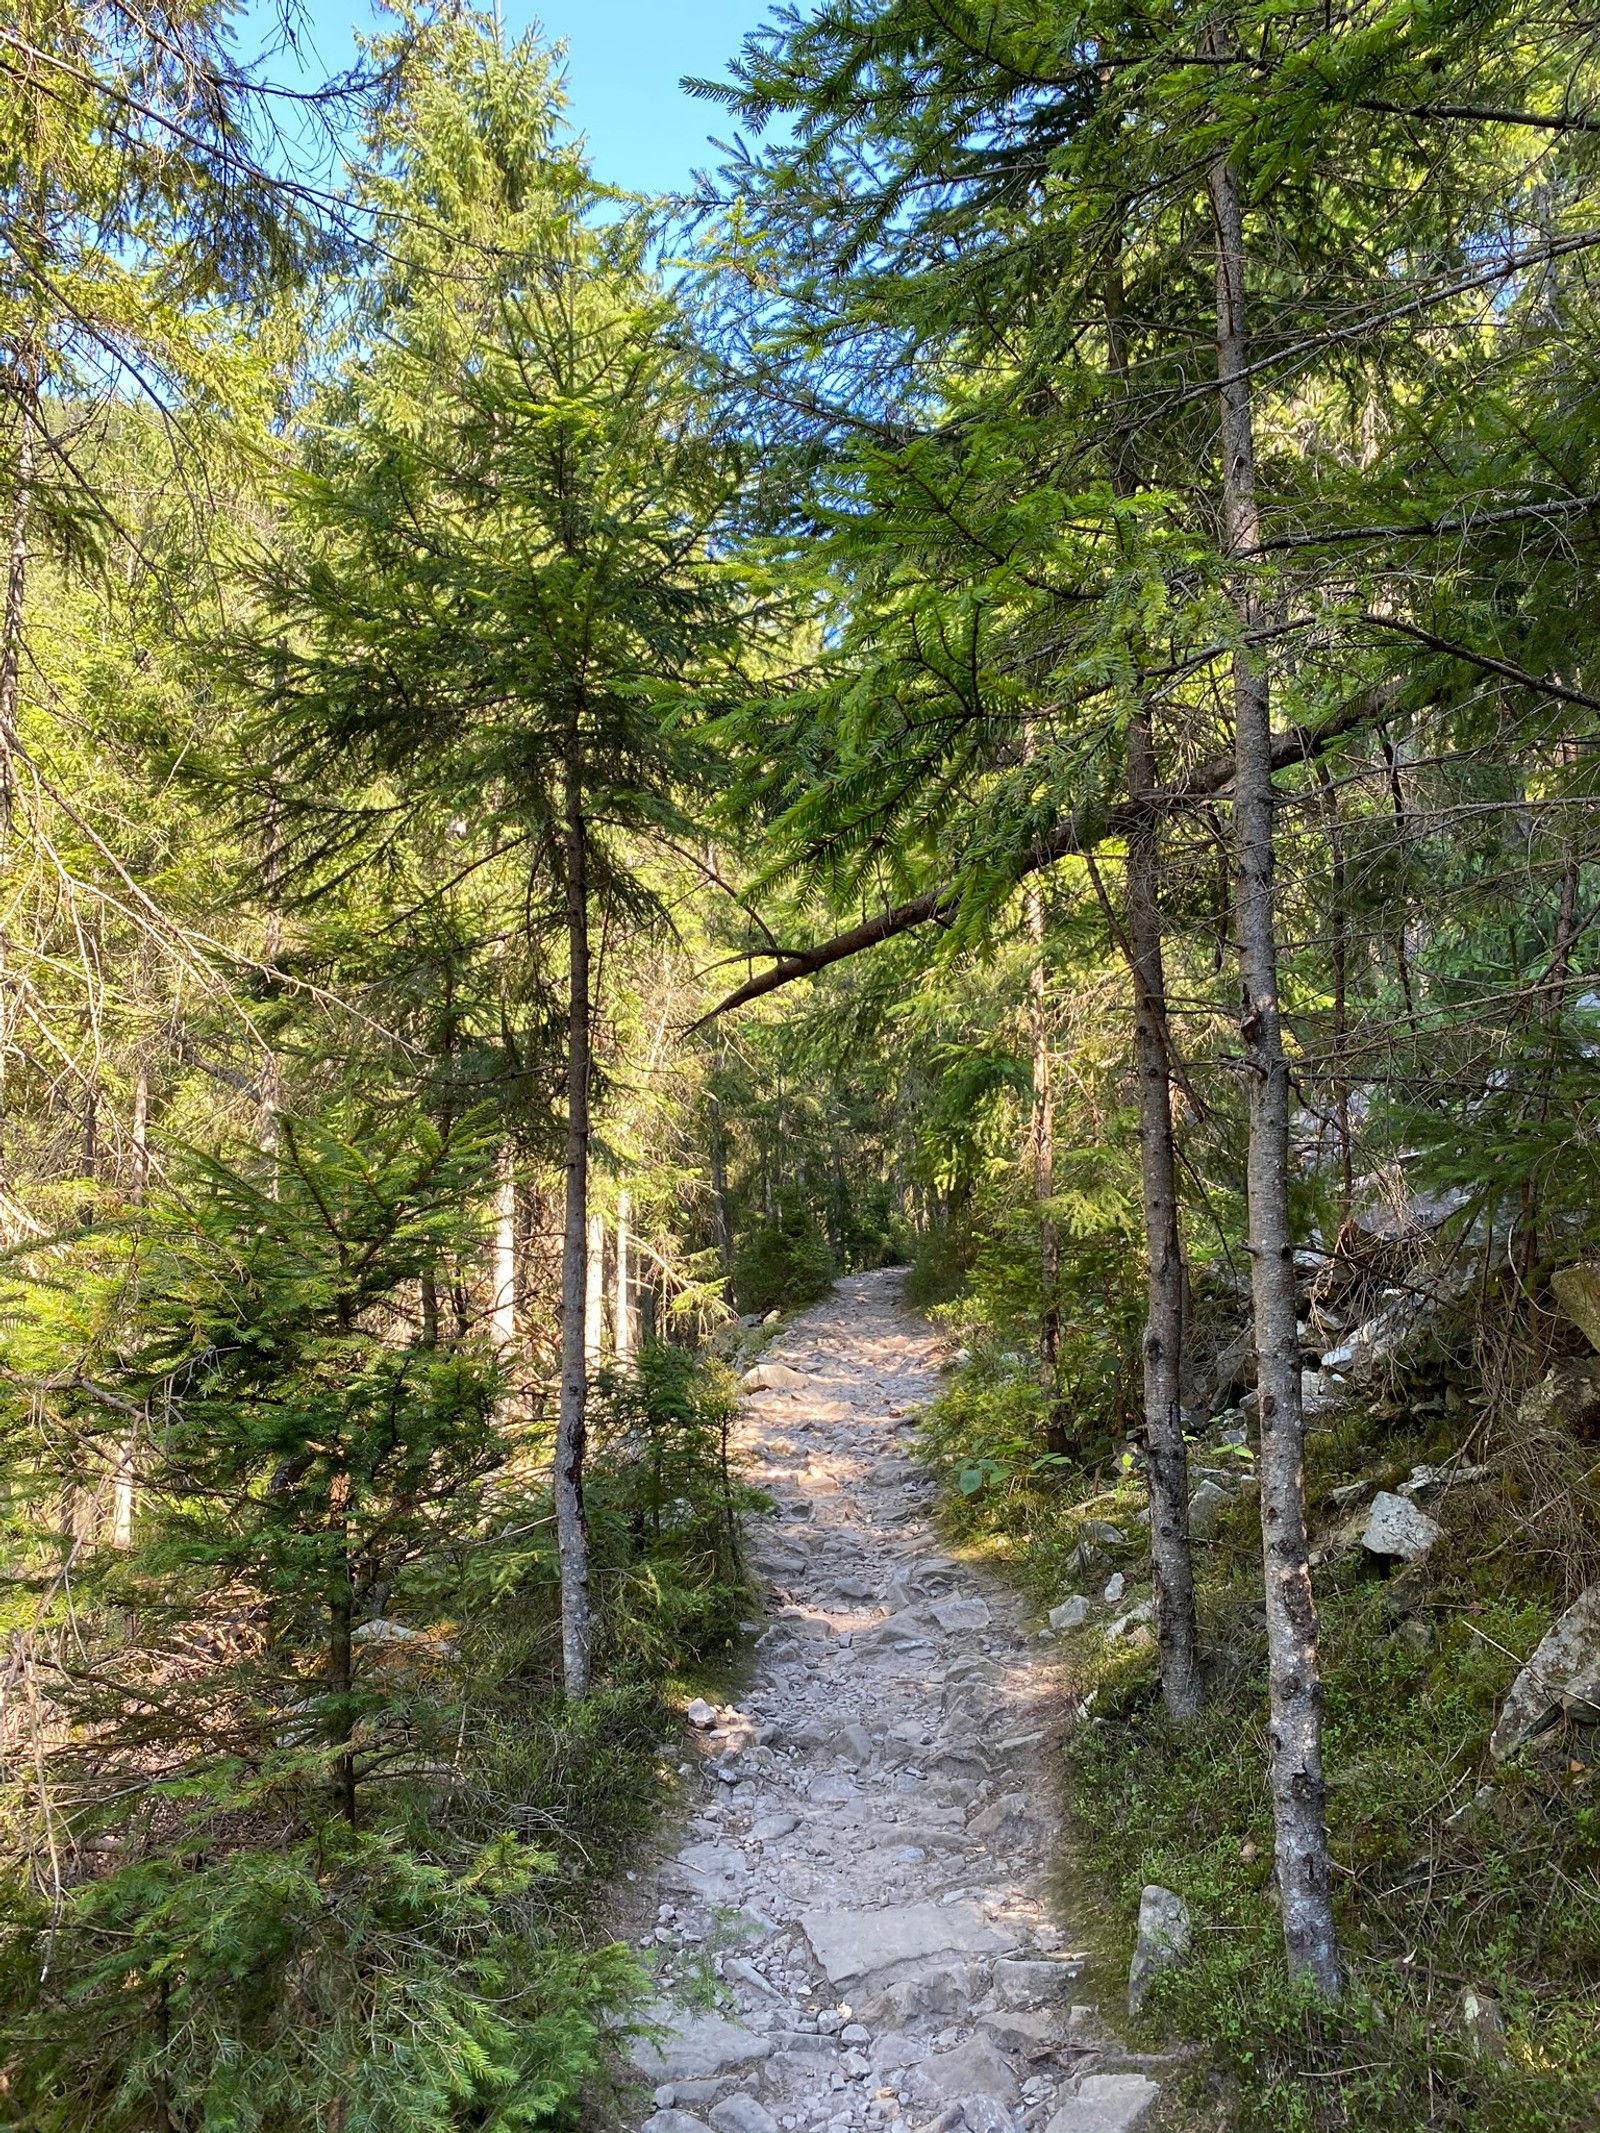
(1339, 953)
(1294, 1674)
(1166, 1275)
(622, 1322)
(26, 394)
(1166, 1457)
(594, 1295)
(503, 1254)
(1043, 1141)
(572, 1529)
(125, 1485)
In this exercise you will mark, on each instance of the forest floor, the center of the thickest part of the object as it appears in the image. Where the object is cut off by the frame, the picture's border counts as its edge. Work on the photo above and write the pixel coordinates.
(860, 1929)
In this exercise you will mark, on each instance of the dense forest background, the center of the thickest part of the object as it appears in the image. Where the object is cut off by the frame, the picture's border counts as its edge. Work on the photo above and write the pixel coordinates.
(1005, 688)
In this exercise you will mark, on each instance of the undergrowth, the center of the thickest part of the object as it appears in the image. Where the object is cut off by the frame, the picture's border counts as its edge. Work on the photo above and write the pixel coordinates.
(298, 1827)
(1441, 1886)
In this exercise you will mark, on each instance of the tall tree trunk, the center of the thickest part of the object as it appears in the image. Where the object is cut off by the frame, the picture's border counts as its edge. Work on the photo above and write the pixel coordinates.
(622, 1323)
(1043, 1140)
(719, 1180)
(25, 391)
(125, 1483)
(1166, 1274)
(572, 1531)
(594, 1295)
(503, 1254)
(1339, 955)
(1294, 1674)
(1166, 1457)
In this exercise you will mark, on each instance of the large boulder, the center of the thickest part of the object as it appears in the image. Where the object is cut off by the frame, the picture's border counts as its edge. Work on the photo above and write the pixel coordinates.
(1576, 1290)
(1561, 1679)
(1164, 1934)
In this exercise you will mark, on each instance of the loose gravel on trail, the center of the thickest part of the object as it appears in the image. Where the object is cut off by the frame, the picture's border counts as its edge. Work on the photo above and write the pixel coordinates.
(857, 1933)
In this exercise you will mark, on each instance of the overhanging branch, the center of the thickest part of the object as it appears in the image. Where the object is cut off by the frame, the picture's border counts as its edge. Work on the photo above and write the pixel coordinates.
(1084, 830)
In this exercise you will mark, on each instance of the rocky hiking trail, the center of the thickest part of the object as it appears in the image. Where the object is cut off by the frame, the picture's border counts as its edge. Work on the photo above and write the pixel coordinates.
(858, 1933)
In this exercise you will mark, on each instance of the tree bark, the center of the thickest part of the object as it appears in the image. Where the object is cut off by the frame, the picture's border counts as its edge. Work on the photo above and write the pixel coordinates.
(1294, 1676)
(26, 394)
(594, 1295)
(1166, 1274)
(503, 1254)
(1043, 1138)
(572, 1531)
(622, 1323)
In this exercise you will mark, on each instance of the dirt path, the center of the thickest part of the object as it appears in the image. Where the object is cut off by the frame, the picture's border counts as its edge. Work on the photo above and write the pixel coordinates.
(865, 1886)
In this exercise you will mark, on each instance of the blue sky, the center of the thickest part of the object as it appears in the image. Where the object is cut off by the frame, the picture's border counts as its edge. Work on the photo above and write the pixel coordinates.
(625, 59)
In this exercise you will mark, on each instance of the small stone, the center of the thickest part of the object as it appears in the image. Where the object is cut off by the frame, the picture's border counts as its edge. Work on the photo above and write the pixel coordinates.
(959, 1614)
(700, 1714)
(1480, 1802)
(670, 2121)
(1105, 2103)
(1397, 1529)
(1483, 2025)
(740, 2113)
(1206, 1507)
(982, 2114)
(1144, 1611)
(1164, 1935)
(766, 1829)
(1116, 1586)
(1071, 1614)
(854, 2033)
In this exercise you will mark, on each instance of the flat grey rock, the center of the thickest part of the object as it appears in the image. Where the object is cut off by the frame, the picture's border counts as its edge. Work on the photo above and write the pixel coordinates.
(1031, 1981)
(1071, 1613)
(1106, 2103)
(692, 2047)
(673, 2120)
(766, 1829)
(860, 1944)
(975, 2068)
(1030, 2032)
(740, 2113)
(955, 1615)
